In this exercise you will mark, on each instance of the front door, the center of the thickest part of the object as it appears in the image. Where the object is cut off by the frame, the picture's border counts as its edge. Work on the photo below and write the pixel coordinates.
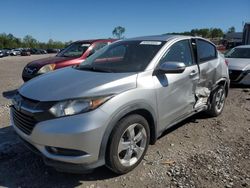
(176, 92)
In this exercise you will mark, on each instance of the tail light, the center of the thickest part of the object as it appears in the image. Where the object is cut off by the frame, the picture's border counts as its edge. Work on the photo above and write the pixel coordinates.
(226, 62)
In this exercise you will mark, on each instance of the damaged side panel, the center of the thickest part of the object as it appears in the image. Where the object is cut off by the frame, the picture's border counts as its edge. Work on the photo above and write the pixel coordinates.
(180, 95)
(209, 72)
(201, 95)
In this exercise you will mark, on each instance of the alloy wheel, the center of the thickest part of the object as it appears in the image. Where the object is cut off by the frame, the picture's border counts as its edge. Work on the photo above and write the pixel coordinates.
(132, 144)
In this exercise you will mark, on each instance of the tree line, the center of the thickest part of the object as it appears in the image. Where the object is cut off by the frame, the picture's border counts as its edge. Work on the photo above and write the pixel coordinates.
(207, 32)
(10, 41)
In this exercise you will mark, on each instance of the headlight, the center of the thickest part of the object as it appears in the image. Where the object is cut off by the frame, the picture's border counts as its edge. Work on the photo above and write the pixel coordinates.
(76, 106)
(46, 68)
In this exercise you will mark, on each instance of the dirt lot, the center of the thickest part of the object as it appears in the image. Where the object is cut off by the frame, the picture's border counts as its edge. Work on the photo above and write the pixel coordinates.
(200, 152)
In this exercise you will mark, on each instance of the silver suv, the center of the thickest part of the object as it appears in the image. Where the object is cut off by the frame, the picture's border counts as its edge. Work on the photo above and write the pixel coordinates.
(108, 109)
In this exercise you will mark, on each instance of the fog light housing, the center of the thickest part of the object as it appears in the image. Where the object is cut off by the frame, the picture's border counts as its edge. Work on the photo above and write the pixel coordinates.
(64, 151)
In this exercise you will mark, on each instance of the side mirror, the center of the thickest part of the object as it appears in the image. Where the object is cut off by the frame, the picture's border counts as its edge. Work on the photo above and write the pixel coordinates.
(170, 67)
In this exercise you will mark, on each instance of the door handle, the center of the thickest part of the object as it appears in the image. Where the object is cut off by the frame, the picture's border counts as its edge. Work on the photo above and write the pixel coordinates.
(193, 73)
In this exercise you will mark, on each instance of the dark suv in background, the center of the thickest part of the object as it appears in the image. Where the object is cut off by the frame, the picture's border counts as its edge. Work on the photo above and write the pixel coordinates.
(73, 54)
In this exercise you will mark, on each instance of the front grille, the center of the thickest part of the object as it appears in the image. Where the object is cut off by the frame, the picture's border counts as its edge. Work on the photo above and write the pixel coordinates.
(29, 103)
(23, 121)
(234, 74)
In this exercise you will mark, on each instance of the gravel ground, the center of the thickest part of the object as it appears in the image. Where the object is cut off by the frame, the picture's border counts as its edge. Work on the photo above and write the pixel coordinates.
(199, 152)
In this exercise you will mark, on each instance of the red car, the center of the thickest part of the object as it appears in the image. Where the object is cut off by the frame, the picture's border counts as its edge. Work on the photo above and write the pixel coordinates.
(73, 54)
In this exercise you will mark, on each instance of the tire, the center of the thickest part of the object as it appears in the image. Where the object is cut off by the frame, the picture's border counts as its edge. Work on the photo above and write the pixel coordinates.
(218, 98)
(128, 144)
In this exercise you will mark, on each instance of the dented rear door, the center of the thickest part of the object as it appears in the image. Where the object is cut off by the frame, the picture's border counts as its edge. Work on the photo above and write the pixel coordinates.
(206, 55)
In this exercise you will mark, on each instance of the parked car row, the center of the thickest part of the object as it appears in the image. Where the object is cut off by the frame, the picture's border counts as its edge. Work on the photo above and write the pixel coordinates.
(25, 51)
(116, 99)
(3, 53)
(6, 52)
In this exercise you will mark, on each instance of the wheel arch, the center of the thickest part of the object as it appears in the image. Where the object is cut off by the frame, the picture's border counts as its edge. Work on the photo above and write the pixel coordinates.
(142, 109)
(223, 82)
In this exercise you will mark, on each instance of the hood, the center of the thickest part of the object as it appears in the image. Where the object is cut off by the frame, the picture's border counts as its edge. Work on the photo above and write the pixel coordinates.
(50, 60)
(238, 63)
(68, 83)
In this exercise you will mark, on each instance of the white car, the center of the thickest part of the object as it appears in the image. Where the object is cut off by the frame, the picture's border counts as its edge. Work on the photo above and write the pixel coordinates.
(15, 52)
(239, 64)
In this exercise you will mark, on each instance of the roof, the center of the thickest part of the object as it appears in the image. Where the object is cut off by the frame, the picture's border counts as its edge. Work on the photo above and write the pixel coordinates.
(96, 40)
(165, 37)
(235, 35)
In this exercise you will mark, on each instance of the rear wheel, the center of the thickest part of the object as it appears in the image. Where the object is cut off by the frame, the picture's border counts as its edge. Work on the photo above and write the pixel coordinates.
(217, 102)
(128, 144)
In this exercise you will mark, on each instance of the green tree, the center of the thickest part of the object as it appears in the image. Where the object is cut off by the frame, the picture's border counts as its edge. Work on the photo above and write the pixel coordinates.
(204, 32)
(50, 44)
(216, 33)
(10, 41)
(194, 32)
(231, 29)
(55, 44)
(118, 32)
(30, 42)
(68, 43)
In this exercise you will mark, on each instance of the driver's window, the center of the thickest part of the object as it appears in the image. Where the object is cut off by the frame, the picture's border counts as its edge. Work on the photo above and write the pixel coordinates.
(179, 52)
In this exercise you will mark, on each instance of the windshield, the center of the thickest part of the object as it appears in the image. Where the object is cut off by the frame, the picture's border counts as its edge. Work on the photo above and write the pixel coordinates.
(75, 49)
(123, 56)
(238, 53)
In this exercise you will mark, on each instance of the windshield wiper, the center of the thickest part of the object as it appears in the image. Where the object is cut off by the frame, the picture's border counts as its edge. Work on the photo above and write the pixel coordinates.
(94, 69)
(68, 56)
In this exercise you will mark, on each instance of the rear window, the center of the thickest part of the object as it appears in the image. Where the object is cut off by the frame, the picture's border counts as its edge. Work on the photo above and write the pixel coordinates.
(206, 50)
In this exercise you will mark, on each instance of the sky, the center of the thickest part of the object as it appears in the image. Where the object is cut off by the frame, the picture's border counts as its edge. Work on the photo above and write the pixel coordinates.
(89, 19)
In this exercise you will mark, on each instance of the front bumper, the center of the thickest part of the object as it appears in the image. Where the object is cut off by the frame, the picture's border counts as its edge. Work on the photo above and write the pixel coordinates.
(83, 132)
(240, 77)
(26, 77)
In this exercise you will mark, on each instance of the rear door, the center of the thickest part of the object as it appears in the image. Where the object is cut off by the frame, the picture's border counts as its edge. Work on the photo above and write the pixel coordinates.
(175, 92)
(208, 61)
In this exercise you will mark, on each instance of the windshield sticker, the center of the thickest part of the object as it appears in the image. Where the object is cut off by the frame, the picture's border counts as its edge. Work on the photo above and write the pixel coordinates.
(85, 45)
(150, 43)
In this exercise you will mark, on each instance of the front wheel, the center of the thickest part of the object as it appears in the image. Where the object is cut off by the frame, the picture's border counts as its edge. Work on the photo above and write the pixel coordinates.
(128, 144)
(217, 102)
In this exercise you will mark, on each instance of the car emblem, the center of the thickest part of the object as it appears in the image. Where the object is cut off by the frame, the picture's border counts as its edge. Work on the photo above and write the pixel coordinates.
(17, 102)
(30, 70)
